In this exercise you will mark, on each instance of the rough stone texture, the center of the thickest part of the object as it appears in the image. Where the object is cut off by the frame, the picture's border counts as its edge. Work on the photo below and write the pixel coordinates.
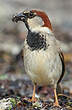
(5, 103)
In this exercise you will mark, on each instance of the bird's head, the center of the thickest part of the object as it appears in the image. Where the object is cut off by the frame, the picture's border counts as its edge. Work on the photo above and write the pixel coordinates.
(33, 19)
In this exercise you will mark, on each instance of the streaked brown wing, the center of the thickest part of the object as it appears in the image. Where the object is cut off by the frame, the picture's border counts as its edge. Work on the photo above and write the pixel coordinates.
(63, 66)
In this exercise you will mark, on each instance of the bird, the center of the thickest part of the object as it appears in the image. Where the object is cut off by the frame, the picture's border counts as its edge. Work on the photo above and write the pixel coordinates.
(43, 57)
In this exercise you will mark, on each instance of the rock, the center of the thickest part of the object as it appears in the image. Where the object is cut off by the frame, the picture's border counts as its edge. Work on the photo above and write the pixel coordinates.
(5, 103)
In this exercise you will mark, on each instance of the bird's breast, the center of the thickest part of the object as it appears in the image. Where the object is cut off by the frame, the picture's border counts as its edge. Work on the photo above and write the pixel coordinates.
(43, 67)
(36, 41)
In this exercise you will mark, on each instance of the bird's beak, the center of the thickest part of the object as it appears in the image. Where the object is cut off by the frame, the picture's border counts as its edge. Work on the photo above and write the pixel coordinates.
(19, 17)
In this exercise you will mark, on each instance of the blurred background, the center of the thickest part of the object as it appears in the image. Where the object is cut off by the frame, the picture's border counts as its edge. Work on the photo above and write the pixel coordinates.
(12, 35)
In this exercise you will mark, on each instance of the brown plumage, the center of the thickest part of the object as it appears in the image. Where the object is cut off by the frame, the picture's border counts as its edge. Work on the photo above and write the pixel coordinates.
(43, 59)
(63, 66)
(44, 17)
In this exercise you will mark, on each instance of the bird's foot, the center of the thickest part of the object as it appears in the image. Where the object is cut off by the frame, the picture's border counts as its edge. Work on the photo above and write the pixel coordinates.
(33, 99)
(56, 104)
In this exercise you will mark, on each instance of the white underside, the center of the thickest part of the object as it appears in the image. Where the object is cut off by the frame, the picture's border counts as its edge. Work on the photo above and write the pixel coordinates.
(43, 29)
(43, 67)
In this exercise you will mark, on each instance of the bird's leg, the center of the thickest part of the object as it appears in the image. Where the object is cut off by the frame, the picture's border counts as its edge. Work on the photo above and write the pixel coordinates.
(33, 96)
(33, 99)
(56, 99)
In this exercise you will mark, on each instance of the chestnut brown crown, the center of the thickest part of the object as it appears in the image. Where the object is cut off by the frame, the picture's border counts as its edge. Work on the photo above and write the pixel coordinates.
(28, 15)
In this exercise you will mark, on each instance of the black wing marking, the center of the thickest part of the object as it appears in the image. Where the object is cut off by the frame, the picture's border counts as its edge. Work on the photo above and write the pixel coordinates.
(63, 66)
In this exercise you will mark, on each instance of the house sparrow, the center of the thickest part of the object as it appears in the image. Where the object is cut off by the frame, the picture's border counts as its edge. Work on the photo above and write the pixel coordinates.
(43, 59)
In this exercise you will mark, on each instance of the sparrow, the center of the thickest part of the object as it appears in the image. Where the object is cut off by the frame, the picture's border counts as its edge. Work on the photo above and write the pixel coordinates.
(43, 58)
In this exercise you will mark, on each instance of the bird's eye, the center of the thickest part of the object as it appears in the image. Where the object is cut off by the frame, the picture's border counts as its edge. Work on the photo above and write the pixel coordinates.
(31, 15)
